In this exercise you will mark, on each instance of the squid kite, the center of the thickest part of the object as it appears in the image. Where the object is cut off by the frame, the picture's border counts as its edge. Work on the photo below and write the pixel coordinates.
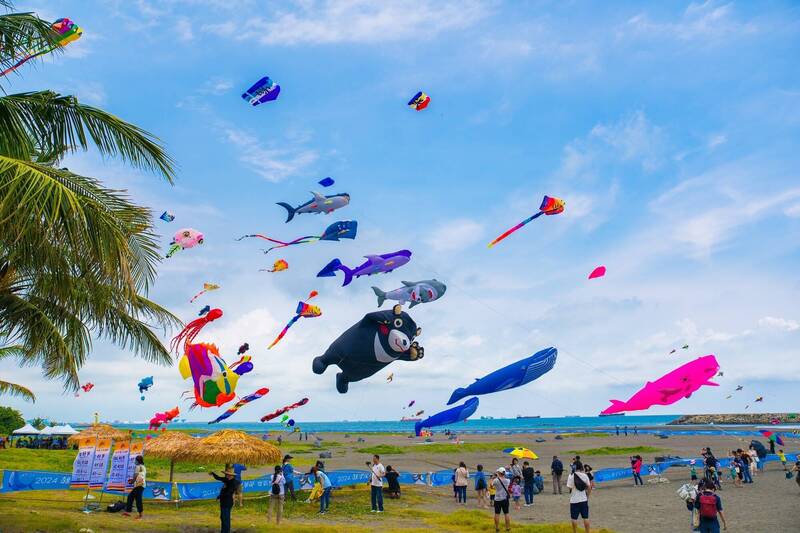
(238, 405)
(282, 410)
(206, 288)
(304, 310)
(67, 32)
(280, 264)
(345, 229)
(550, 206)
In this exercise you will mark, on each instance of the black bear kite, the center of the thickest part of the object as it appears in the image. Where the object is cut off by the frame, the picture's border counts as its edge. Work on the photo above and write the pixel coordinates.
(366, 347)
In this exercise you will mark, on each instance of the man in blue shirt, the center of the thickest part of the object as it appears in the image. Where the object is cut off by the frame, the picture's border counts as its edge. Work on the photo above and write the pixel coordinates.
(237, 474)
(288, 474)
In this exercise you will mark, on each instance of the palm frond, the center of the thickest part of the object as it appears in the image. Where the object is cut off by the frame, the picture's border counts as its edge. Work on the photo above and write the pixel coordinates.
(62, 123)
(12, 389)
(22, 34)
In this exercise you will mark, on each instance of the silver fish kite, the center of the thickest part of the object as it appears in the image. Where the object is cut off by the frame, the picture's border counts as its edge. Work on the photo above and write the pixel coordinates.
(319, 204)
(416, 292)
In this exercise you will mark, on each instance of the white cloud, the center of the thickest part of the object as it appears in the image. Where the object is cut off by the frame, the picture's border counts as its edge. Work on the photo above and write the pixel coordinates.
(455, 235)
(781, 324)
(272, 164)
(792, 211)
(707, 21)
(352, 21)
(718, 139)
(183, 28)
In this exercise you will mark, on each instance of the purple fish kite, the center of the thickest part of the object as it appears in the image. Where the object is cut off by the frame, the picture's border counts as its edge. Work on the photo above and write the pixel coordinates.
(374, 264)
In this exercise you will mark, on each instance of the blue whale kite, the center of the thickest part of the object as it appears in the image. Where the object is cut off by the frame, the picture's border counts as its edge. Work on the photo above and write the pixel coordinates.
(449, 416)
(511, 376)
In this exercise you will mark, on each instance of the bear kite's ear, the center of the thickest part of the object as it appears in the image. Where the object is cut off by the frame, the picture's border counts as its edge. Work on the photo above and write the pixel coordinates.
(397, 309)
(419, 332)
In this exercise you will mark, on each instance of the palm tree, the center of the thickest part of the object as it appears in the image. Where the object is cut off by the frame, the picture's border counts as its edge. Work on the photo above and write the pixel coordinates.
(76, 258)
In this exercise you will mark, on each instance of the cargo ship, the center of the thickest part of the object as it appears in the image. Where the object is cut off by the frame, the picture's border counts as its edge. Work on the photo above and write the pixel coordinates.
(520, 417)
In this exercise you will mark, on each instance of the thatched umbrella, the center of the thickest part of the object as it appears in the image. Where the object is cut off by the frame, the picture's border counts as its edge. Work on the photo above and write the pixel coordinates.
(230, 446)
(170, 445)
(101, 431)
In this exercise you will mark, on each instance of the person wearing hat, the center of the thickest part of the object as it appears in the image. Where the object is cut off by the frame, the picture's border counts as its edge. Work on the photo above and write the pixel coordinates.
(288, 475)
(501, 497)
(229, 487)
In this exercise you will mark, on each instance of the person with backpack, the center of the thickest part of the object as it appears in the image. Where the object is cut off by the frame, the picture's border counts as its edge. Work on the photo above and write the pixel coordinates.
(556, 469)
(502, 495)
(527, 478)
(709, 505)
(229, 487)
(277, 494)
(580, 489)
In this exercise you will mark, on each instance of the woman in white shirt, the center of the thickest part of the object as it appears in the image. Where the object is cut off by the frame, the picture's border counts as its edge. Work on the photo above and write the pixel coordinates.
(462, 478)
(276, 495)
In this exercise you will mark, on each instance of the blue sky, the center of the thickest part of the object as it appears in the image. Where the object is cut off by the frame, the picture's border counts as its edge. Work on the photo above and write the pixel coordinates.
(670, 130)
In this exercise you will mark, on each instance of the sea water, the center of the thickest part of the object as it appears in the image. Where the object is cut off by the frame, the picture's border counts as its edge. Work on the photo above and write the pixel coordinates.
(493, 425)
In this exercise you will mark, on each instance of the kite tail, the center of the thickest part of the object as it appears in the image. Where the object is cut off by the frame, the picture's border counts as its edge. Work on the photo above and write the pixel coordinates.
(380, 294)
(282, 333)
(290, 210)
(172, 250)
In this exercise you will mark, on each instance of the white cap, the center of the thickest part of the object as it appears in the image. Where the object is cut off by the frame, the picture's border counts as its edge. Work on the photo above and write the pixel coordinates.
(501, 470)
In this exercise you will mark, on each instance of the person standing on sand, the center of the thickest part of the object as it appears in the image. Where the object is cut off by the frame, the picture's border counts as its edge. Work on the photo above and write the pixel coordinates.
(462, 478)
(709, 506)
(515, 470)
(556, 469)
(626, 430)
(527, 482)
(139, 483)
(636, 468)
(225, 497)
(580, 489)
(617, 429)
(782, 457)
(481, 486)
(501, 498)
(376, 483)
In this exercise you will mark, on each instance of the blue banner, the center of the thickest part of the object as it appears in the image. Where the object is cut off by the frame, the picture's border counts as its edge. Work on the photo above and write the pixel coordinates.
(21, 480)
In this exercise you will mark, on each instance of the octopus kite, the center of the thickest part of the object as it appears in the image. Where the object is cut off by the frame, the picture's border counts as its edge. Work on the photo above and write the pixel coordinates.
(214, 381)
(550, 206)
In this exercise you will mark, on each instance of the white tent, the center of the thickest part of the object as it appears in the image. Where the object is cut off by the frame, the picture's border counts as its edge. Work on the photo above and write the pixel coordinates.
(27, 429)
(60, 431)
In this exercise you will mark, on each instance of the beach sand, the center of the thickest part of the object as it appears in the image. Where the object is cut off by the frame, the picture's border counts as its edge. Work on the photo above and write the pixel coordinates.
(766, 505)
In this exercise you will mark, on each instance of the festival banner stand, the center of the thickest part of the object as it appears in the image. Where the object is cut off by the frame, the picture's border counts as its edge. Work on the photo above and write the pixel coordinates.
(97, 476)
(82, 467)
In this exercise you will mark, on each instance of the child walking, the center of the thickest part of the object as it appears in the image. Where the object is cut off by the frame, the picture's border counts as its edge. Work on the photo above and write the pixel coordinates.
(516, 491)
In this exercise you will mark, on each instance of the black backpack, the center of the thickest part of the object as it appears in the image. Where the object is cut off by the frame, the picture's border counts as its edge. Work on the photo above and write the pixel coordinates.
(577, 480)
(276, 489)
(116, 507)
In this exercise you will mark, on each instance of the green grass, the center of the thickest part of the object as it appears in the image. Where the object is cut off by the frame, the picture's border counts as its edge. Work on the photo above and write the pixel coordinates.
(612, 450)
(578, 435)
(53, 511)
(382, 449)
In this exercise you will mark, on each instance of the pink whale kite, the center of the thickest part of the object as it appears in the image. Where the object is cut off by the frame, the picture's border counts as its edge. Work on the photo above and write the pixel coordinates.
(598, 272)
(668, 389)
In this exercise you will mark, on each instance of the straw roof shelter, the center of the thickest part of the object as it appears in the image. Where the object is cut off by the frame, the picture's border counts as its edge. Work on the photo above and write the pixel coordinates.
(101, 431)
(230, 446)
(170, 445)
